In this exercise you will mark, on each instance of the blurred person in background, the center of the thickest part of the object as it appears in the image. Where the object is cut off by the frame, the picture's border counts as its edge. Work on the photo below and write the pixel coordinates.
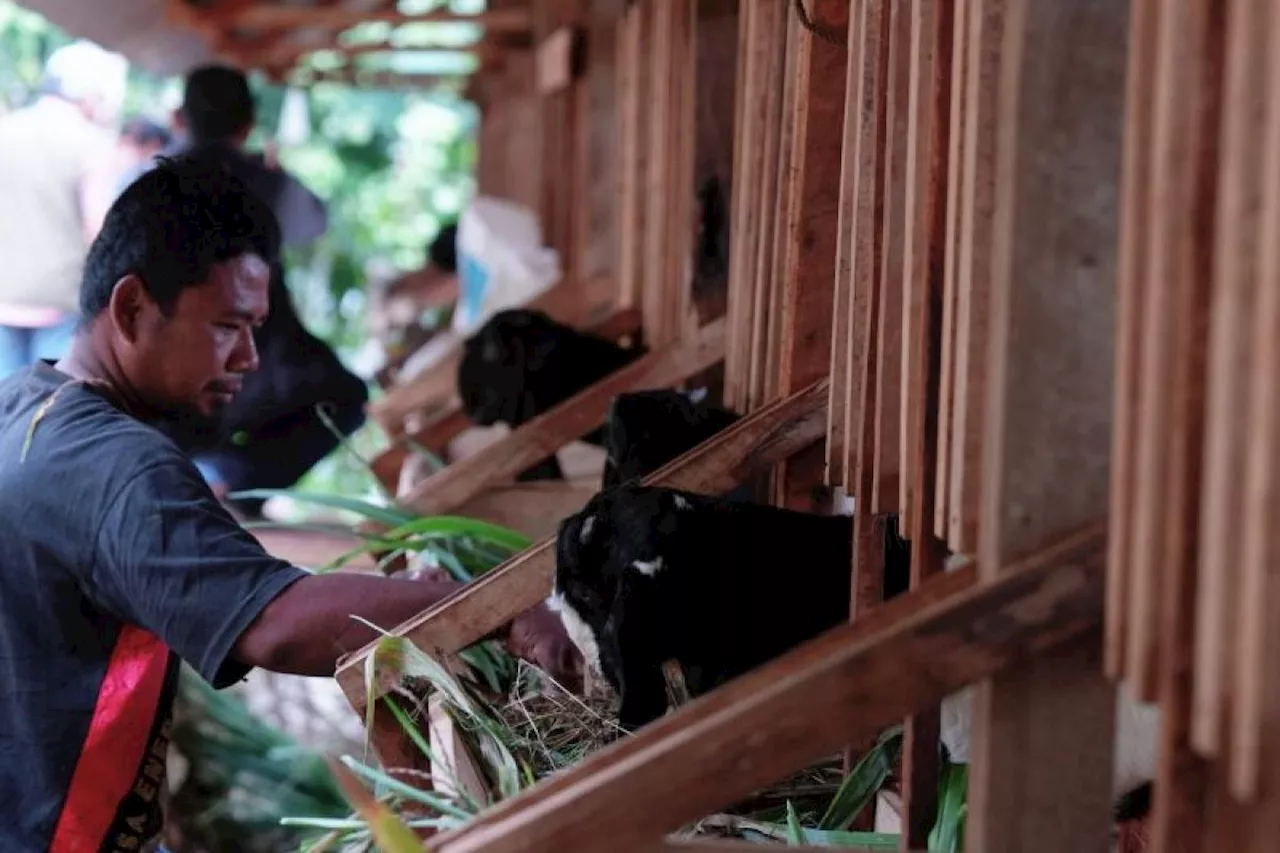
(271, 435)
(47, 149)
(140, 139)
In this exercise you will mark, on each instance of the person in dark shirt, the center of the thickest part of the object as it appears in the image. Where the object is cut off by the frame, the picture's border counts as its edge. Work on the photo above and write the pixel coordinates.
(118, 560)
(271, 435)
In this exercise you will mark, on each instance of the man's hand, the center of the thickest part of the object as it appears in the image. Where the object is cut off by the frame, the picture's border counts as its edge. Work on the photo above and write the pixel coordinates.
(538, 636)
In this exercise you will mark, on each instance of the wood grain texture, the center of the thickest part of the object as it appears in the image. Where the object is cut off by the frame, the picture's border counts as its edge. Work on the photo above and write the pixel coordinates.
(1048, 418)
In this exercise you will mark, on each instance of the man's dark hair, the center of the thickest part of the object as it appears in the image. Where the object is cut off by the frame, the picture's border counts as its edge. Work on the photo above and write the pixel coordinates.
(216, 103)
(141, 130)
(443, 251)
(170, 226)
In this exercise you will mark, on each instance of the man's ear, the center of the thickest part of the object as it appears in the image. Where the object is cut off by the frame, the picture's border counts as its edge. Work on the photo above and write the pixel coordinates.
(129, 300)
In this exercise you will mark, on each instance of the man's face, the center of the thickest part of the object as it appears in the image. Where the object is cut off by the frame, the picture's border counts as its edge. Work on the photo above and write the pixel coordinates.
(190, 364)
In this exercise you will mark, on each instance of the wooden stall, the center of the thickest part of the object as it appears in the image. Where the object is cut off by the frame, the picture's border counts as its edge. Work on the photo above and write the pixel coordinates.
(1001, 272)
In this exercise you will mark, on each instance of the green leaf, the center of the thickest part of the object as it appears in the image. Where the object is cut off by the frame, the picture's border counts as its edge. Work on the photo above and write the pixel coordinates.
(384, 515)
(947, 835)
(868, 777)
(795, 832)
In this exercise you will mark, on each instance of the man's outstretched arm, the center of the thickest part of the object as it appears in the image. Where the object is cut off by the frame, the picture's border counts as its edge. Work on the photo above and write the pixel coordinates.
(309, 626)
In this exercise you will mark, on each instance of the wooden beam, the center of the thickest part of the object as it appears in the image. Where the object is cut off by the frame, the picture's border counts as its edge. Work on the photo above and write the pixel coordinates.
(580, 414)
(1048, 417)
(279, 17)
(852, 681)
(753, 444)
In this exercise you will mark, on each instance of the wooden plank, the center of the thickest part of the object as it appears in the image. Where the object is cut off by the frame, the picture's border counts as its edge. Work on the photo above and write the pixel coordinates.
(1231, 344)
(868, 145)
(557, 60)
(1256, 697)
(852, 681)
(1179, 812)
(868, 582)
(812, 224)
(744, 207)
(634, 82)
(753, 444)
(955, 210)
(1135, 186)
(773, 19)
(1171, 210)
(581, 413)
(931, 36)
(837, 453)
(886, 421)
(1048, 420)
(917, 245)
(784, 203)
(976, 195)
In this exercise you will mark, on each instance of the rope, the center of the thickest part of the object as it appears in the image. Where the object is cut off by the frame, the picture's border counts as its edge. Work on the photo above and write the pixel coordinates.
(822, 31)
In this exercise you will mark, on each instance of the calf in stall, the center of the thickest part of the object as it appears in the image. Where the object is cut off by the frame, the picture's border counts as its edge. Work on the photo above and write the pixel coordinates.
(645, 575)
(521, 363)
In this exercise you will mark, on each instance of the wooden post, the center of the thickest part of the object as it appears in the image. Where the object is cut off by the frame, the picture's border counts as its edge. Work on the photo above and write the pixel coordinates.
(1048, 417)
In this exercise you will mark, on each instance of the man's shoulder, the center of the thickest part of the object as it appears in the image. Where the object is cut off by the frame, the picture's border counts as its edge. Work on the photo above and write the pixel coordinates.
(49, 423)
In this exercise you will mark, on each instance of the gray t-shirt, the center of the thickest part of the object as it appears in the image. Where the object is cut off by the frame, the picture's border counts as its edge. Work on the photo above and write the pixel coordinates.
(116, 561)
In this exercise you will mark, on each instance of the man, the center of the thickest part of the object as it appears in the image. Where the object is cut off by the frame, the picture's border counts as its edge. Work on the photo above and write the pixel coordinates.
(271, 435)
(46, 149)
(118, 559)
(396, 310)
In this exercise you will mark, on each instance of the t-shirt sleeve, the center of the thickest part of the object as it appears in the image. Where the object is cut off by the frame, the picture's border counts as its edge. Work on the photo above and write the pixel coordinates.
(172, 561)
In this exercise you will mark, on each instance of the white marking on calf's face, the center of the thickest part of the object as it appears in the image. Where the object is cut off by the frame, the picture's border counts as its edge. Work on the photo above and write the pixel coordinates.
(579, 632)
(681, 502)
(587, 525)
(648, 568)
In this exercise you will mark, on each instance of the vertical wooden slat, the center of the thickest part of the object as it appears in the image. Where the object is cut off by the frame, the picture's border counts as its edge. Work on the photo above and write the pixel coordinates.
(659, 196)
(976, 196)
(774, 19)
(1179, 808)
(1170, 201)
(633, 82)
(1256, 705)
(887, 422)
(784, 199)
(1047, 433)
(1230, 348)
(955, 159)
(809, 280)
(837, 452)
(1132, 278)
(742, 211)
(931, 44)
(868, 232)
(916, 242)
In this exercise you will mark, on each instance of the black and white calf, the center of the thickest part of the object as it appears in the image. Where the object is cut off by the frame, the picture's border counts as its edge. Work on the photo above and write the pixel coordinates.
(521, 363)
(645, 575)
(647, 429)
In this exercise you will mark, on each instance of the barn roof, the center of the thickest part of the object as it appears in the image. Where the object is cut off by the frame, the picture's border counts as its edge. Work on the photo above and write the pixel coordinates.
(171, 36)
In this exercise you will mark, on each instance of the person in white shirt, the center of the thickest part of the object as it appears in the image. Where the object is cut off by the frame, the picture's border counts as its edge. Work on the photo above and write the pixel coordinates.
(46, 151)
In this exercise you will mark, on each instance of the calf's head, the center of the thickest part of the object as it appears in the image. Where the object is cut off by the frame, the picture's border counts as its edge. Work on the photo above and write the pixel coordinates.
(647, 429)
(621, 588)
(496, 363)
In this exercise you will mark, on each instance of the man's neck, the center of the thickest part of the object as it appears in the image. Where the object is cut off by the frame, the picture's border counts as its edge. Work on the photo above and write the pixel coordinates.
(88, 362)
